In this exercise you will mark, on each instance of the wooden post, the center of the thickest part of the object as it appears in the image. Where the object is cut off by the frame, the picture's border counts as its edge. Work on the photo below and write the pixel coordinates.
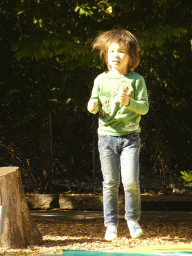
(17, 226)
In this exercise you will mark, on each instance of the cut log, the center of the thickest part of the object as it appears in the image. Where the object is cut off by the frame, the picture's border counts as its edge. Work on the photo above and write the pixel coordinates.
(17, 227)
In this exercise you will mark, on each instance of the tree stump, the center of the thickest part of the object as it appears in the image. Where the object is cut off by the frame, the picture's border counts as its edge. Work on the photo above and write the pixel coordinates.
(16, 225)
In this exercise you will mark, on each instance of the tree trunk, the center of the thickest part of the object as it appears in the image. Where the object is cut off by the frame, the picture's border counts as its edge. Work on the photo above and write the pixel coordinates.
(17, 227)
(46, 151)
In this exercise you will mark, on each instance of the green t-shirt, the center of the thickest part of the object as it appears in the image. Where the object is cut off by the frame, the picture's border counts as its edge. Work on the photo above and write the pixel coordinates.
(115, 119)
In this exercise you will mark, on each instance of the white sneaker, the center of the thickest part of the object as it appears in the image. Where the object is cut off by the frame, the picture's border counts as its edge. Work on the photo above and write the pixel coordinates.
(111, 233)
(134, 228)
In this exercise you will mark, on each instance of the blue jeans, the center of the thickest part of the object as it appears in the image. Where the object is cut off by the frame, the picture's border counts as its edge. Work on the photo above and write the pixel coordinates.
(120, 153)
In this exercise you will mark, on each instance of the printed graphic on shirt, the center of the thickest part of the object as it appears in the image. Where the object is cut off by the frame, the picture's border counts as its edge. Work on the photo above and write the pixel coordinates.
(110, 102)
(130, 127)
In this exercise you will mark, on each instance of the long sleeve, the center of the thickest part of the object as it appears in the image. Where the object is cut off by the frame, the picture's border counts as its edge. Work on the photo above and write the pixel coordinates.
(116, 119)
(95, 95)
(140, 104)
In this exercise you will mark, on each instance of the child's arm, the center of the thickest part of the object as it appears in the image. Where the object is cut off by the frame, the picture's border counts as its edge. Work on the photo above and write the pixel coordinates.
(124, 98)
(92, 105)
(140, 103)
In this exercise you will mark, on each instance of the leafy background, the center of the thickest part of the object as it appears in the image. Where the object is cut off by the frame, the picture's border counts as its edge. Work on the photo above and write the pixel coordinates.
(47, 72)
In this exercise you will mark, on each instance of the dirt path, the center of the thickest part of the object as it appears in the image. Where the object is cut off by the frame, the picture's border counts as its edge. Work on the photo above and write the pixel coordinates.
(77, 230)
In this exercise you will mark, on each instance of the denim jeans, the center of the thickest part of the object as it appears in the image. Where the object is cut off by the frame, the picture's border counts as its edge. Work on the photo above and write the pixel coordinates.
(120, 154)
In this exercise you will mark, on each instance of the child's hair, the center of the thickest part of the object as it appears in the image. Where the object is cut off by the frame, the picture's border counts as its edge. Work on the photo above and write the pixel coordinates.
(105, 39)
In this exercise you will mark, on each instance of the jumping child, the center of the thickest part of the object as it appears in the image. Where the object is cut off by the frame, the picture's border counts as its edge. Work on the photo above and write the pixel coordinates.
(120, 96)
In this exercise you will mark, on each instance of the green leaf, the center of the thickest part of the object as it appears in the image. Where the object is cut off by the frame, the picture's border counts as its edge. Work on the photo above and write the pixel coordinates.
(187, 177)
(69, 100)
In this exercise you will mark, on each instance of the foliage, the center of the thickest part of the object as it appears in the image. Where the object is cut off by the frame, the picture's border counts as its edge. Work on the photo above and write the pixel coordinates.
(50, 68)
(187, 176)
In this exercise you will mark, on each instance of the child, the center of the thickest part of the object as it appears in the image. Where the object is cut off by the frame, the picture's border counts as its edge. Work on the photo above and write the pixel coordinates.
(120, 96)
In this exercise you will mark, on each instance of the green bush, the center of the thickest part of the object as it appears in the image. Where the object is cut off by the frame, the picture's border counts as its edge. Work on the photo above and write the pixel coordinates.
(187, 176)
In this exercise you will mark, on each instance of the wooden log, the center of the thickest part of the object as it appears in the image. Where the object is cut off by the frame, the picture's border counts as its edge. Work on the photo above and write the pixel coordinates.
(17, 226)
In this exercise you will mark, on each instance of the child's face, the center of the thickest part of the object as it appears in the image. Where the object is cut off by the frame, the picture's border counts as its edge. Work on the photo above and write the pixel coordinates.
(118, 57)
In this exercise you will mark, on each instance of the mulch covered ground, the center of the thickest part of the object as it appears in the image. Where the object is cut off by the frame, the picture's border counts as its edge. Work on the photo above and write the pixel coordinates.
(87, 234)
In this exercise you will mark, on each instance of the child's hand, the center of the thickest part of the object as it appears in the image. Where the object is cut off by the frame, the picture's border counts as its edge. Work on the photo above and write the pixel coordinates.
(124, 98)
(92, 104)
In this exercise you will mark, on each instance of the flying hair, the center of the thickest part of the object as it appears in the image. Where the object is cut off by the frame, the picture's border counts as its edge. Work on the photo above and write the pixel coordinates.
(105, 39)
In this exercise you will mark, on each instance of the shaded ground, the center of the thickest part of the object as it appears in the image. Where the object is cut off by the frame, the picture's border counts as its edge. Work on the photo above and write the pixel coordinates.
(78, 230)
